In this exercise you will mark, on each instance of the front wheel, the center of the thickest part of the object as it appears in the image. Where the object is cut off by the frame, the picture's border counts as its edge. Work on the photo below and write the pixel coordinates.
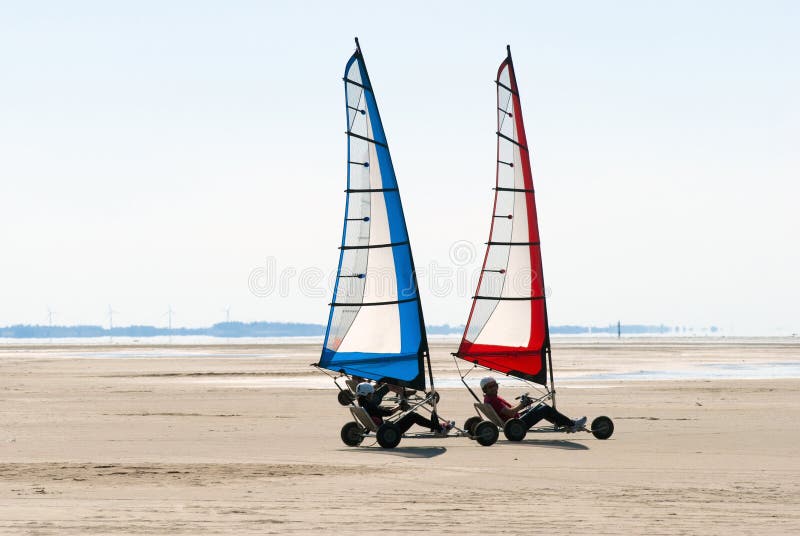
(352, 434)
(602, 427)
(515, 430)
(486, 433)
(388, 435)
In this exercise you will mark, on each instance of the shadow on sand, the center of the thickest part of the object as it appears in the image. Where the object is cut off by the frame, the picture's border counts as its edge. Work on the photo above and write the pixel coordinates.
(547, 443)
(405, 452)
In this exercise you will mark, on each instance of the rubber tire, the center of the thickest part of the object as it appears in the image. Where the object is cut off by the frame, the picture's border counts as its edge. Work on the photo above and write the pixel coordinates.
(352, 434)
(469, 424)
(486, 433)
(389, 435)
(515, 430)
(435, 395)
(345, 398)
(602, 427)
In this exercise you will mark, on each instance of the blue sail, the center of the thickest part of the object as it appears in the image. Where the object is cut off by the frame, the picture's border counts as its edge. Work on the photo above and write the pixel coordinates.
(375, 327)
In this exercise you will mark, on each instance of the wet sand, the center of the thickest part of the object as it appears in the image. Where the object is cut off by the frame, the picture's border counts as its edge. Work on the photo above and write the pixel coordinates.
(234, 440)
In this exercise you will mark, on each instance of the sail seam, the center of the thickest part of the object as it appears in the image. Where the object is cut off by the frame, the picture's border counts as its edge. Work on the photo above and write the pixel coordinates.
(507, 298)
(518, 144)
(394, 302)
(368, 190)
(499, 189)
(502, 85)
(362, 86)
(374, 246)
(490, 243)
(376, 142)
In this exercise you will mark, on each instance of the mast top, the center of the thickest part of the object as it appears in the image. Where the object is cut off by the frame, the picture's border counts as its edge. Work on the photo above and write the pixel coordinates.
(358, 47)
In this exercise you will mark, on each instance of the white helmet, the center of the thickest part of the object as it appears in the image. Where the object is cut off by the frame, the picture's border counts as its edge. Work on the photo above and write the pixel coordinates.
(486, 381)
(364, 389)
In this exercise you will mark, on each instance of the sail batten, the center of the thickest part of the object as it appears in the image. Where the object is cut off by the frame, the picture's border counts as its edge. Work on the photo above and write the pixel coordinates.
(507, 327)
(375, 326)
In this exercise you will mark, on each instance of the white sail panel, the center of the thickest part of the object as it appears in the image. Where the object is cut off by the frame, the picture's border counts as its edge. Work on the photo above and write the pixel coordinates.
(505, 326)
(376, 329)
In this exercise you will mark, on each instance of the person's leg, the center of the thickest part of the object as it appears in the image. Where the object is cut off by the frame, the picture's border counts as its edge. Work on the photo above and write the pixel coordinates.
(543, 411)
(380, 392)
(410, 419)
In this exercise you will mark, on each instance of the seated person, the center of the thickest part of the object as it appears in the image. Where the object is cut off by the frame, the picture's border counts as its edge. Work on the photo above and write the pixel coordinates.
(530, 417)
(366, 399)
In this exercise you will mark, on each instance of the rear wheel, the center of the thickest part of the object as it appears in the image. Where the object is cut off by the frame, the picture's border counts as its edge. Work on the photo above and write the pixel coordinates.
(435, 395)
(486, 433)
(389, 435)
(352, 434)
(345, 398)
(469, 424)
(602, 427)
(515, 430)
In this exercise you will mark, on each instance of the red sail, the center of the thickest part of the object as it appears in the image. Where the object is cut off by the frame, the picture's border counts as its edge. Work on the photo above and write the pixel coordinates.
(507, 327)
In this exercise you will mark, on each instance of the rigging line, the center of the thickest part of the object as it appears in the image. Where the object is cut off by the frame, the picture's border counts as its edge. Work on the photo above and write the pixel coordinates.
(502, 121)
(394, 302)
(369, 190)
(509, 114)
(502, 85)
(518, 144)
(376, 142)
(362, 86)
(490, 243)
(358, 103)
(374, 246)
(526, 190)
(363, 112)
(503, 298)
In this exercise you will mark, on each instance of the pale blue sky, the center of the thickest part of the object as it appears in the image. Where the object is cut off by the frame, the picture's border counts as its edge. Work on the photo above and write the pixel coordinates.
(157, 153)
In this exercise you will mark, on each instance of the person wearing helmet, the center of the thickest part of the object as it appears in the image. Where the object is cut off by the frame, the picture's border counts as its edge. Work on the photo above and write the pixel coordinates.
(365, 393)
(530, 417)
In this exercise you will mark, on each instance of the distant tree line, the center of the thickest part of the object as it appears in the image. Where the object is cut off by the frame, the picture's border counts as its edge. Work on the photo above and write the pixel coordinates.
(282, 329)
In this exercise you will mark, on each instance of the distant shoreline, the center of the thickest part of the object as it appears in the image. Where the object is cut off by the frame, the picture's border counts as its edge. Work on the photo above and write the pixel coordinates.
(290, 329)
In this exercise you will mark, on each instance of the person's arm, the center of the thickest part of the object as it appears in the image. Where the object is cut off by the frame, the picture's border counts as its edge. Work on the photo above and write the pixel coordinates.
(377, 410)
(510, 413)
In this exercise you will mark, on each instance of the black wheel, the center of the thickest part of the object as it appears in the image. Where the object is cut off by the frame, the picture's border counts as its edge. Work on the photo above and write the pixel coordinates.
(486, 433)
(469, 424)
(602, 427)
(345, 398)
(435, 395)
(515, 430)
(352, 434)
(389, 435)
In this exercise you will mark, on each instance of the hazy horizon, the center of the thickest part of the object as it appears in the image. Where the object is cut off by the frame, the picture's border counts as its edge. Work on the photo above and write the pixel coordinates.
(191, 155)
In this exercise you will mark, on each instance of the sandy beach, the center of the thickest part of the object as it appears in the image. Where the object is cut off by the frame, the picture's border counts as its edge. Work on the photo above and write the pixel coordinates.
(241, 439)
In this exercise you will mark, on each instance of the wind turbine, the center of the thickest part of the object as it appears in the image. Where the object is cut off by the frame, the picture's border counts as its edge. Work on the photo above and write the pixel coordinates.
(50, 314)
(169, 322)
(111, 322)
